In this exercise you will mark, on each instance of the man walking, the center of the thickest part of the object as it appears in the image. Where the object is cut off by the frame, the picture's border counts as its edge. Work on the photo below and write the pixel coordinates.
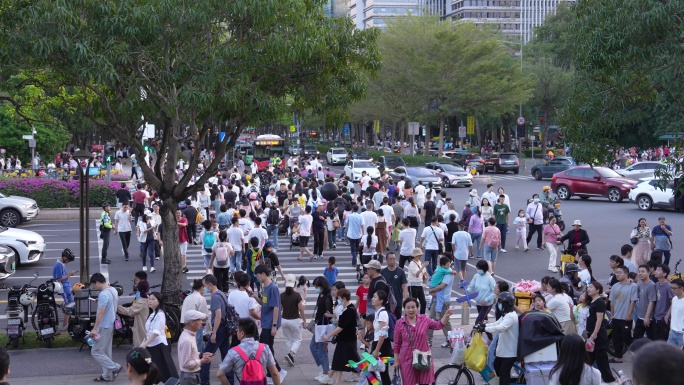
(354, 225)
(661, 240)
(189, 358)
(270, 311)
(101, 333)
(433, 236)
(675, 316)
(396, 278)
(647, 298)
(122, 225)
(105, 230)
(502, 213)
(535, 217)
(441, 300)
(220, 339)
(623, 297)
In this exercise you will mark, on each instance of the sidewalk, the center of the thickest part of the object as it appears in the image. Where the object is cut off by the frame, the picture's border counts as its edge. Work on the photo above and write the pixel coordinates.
(84, 369)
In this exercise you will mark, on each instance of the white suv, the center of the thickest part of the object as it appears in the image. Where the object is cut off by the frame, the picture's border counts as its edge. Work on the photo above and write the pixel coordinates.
(647, 195)
(336, 155)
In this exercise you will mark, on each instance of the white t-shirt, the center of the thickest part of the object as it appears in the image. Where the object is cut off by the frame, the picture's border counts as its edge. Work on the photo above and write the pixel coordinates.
(677, 316)
(123, 221)
(236, 237)
(388, 212)
(584, 275)
(305, 222)
(432, 239)
(419, 195)
(381, 315)
(407, 237)
(370, 218)
(245, 225)
(400, 185)
(260, 233)
(413, 278)
(520, 224)
(447, 215)
(559, 307)
(364, 182)
(461, 241)
(242, 302)
(369, 250)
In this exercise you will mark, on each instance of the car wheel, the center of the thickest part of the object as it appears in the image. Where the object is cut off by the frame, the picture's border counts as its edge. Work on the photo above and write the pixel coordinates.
(537, 175)
(614, 195)
(327, 161)
(10, 218)
(563, 192)
(516, 171)
(445, 182)
(584, 198)
(645, 203)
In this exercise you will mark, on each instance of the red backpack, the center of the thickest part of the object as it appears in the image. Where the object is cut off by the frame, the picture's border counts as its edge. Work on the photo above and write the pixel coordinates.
(253, 372)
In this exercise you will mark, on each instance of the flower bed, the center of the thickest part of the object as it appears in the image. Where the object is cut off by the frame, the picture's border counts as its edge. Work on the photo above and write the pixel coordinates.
(55, 193)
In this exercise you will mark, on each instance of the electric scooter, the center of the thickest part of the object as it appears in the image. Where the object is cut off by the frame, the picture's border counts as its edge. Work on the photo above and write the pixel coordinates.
(19, 298)
(45, 317)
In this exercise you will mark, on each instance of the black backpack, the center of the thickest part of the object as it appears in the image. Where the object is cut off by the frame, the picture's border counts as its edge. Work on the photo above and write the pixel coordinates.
(273, 217)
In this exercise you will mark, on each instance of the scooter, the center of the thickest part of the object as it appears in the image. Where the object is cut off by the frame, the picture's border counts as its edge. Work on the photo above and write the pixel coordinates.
(19, 298)
(45, 317)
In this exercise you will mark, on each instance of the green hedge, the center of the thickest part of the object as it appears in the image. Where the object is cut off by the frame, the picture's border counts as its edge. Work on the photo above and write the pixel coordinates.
(55, 193)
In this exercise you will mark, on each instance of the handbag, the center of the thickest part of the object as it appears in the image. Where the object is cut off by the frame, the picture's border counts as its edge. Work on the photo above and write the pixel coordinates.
(311, 326)
(421, 360)
(634, 240)
(396, 379)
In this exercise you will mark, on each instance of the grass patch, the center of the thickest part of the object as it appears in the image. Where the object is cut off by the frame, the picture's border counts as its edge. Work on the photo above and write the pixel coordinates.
(60, 341)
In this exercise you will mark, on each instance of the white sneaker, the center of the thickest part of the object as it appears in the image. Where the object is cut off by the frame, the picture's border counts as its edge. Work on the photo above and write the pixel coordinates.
(553, 269)
(326, 380)
(152, 270)
(319, 377)
(503, 250)
(283, 374)
(144, 268)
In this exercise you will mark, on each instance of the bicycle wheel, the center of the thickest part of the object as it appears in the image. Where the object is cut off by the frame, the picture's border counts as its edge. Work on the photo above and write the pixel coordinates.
(173, 323)
(454, 375)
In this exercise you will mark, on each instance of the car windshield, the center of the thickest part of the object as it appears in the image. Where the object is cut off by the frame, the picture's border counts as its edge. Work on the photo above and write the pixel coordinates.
(359, 154)
(394, 161)
(419, 172)
(338, 151)
(608, 173)
(3, 195)
(310, 148)
(507, 156)
(363, 165)
(451, 168)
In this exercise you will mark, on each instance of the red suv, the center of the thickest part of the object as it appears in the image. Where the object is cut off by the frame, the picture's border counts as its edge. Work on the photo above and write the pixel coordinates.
(586, 182)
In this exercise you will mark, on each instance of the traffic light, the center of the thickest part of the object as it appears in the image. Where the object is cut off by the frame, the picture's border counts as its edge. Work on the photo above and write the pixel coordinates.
(109, 153)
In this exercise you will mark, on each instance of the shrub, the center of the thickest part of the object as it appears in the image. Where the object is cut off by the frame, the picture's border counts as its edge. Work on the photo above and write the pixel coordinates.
(55, 193)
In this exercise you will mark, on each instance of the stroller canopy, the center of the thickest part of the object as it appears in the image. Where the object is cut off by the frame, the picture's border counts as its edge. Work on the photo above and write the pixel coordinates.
(538, 330)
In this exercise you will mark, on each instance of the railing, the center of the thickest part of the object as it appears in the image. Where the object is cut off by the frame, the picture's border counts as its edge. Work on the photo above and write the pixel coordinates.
(65, 174)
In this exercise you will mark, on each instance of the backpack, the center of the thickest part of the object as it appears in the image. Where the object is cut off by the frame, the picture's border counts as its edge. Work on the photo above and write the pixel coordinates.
(273, 217)
(221, 255)
(257, 258)
(253, 372)
(199, 216)
(392, 298)
(392, 321)
(230, 318)
(208, 240)
(493, 241)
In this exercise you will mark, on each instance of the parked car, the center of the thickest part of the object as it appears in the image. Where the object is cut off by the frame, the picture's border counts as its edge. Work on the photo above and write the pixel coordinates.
(648, 195)
(15, 210)
(309, 150)
(389, 163)
(641, 169)
(29, 246)
(359, 155)
(354, 168)
(466, 158)
(7, 262)
(587, 182)
(336, 155)
(451, 174)
(502, 162)
(552, 166)
(416, 174)
(293, 150)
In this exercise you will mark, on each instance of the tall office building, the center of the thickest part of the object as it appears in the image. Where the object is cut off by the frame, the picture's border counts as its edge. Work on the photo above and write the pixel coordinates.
(376, 13)
(515, 18)
(336, 8)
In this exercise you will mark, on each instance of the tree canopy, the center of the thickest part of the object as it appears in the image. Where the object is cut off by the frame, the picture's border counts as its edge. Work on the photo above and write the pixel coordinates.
(204, 65)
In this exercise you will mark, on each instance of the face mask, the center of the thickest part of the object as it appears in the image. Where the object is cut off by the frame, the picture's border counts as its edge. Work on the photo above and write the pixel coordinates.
(137, 295)
(481, 272)
(536, 200)
(317, 290)
(207, 291)
(499, 306)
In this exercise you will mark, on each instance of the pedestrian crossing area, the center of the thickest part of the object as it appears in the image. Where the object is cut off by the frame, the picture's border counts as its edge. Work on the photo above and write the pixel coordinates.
(490, 178)
(291, 265)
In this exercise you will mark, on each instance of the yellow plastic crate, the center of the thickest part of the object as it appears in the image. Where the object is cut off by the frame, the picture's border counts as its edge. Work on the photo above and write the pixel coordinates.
(568, 258)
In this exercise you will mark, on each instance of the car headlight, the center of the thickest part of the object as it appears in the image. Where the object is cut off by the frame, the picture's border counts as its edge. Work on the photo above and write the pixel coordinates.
(626, 185)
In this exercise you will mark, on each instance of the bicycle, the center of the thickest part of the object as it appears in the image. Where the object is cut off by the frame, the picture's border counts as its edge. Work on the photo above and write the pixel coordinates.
(454, 374)
(172, 312)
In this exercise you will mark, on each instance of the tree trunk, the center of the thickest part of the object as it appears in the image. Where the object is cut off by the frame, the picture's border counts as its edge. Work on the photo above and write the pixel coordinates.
(478, 135)
(545, 132)
(442, 122)
(172, 282)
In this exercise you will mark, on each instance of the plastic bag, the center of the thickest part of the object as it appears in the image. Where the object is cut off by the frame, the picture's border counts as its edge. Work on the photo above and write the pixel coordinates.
(476, 354)
(322, 330)
(458, 344)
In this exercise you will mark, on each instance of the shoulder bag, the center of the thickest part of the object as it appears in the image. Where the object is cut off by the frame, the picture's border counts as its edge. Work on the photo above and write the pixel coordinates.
(422, 361)
(440, 249)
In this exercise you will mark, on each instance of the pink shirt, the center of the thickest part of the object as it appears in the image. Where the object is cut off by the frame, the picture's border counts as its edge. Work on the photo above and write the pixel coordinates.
(551, 233)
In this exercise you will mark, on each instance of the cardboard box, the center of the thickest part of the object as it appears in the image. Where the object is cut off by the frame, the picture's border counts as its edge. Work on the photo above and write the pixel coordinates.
(538, 372)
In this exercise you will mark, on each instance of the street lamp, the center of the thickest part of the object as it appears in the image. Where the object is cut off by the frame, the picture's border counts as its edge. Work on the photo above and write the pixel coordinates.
(84, 157)
(520, 43)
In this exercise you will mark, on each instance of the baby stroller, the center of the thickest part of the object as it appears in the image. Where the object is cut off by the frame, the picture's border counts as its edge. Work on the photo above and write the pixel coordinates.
(294, 238)
(283, 226)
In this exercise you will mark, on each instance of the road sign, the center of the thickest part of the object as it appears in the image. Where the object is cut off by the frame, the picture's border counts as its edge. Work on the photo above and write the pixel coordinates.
(521, 120)
(376, 125)
(462, 132)
(345, 129)
(470, 124)
(413, 128)
(32, 143)
(293, 129)
(536, 128)
(27, 137)
(532, 137)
